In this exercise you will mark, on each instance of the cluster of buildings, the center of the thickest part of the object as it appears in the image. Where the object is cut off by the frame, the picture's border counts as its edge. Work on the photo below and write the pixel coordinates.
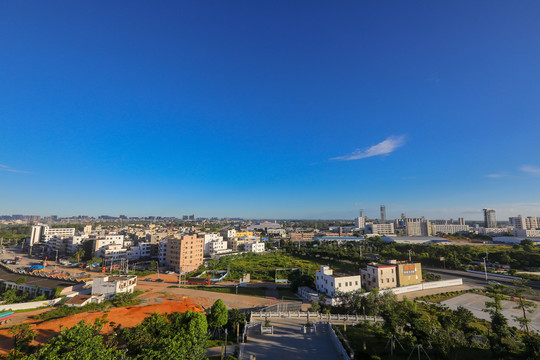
(181, 249)
(381, 276)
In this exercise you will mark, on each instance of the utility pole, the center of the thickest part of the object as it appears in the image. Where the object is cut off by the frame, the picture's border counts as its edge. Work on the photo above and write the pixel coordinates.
(56, 260)
(410, 255)
(485, 267)
(158, 269)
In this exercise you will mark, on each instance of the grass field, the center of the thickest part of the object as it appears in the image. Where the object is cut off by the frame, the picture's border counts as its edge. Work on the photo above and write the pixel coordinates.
(263, 266)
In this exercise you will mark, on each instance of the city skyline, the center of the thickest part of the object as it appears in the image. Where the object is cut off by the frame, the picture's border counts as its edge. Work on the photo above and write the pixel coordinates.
(270, 110)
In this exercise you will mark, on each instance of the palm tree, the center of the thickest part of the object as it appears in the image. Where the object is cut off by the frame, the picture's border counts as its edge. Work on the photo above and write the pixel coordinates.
(79, 253)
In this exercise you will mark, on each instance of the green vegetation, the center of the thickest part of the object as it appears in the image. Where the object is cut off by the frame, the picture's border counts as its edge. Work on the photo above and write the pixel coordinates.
(443, 333)
(263, 266)
(13, 296)
(65, 310)
(15, 232)
(437, 298)
(120, 300)
(456, 257)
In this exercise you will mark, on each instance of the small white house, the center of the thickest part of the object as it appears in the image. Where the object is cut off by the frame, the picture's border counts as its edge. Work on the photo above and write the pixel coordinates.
(329, 283)
(109, 286)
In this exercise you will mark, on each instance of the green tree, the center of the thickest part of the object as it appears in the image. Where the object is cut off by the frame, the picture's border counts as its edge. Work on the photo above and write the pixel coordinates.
(81, 342)
(79, 253)
(218, 314)
(518, 292)
(22, 335)
(20, 280)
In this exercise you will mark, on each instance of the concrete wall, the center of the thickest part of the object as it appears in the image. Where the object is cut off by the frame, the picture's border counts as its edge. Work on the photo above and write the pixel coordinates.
(30, 305)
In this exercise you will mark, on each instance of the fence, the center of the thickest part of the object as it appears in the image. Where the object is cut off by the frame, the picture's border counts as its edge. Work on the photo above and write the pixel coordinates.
(314, 316)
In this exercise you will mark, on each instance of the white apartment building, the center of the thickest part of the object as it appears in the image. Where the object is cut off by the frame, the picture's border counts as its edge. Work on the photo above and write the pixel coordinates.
(229, 233)
(328, 283)
(527, 233)
(417, 227)
(209, 239)
(109, 286)
(449, 229)
(113, 252)
(380, 276)
(101, 244)
(133, 253)
(360, 222)
(43, 233)
(256, 247)
(382, 229)
(523, 223)
(88, 229)
(74, 242)
(215, 247)
(162, 253)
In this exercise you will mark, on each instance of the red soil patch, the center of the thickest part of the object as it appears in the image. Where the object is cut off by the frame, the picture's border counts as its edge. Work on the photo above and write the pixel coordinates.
(125, 316)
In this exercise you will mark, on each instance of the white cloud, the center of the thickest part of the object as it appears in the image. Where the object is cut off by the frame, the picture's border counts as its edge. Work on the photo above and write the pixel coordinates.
(7, 168)
(531, 169)
(383, 148)
(497, 176)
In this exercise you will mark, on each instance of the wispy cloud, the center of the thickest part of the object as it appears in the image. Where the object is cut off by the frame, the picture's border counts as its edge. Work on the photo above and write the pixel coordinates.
(383, 148)
(531, 169)
(497, 175)
(7, 168)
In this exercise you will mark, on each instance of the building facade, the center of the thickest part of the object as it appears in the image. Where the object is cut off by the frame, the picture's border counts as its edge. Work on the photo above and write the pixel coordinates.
(330, 284)
(381, 276)
(186, 253)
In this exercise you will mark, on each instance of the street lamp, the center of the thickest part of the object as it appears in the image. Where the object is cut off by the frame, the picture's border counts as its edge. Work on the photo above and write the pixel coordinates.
(226, 331)
(56, 260)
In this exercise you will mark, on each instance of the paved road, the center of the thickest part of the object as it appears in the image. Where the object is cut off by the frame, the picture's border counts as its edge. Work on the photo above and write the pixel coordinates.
(289, 343)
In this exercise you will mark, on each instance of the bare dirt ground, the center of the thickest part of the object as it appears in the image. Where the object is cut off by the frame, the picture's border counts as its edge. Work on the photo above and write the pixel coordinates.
(157, 298)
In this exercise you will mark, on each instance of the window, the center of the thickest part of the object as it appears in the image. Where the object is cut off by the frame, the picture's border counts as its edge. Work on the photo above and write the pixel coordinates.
(356, 282)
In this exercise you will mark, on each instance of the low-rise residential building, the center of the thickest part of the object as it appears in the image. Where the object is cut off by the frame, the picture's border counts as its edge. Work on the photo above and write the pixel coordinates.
(109, 286)
(256, 247)
(329, 283)
(302, 236)
(381, 276)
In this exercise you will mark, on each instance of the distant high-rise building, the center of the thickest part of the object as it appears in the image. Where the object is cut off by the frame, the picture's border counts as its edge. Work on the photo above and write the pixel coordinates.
(383, 214)
(361, 213)
(490, 219)
(403, 215)
(461, 221)
(360, 222)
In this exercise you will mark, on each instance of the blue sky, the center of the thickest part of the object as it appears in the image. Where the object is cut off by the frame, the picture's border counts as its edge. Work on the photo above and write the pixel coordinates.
(270, 109)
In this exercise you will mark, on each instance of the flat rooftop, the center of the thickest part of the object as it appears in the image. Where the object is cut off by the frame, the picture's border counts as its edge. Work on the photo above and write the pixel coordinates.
(35, 280)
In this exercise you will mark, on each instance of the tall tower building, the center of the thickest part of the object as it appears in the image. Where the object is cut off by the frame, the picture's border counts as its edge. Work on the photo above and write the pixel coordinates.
(490, 219)
(383, 214)
(361, 213)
